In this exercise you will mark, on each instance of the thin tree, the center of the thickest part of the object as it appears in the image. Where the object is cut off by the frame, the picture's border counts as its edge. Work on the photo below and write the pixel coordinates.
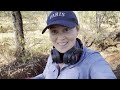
(19, 35)
(100, 15)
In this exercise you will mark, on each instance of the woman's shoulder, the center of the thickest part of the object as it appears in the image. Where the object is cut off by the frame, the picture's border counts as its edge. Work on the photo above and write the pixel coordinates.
(92, 56)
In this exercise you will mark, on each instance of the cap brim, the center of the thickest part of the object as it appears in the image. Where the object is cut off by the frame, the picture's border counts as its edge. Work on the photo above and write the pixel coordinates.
(60, 22)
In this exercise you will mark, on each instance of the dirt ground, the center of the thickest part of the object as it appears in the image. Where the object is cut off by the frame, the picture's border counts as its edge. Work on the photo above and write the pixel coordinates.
(35, 66)
(18, 70)
(115, 64)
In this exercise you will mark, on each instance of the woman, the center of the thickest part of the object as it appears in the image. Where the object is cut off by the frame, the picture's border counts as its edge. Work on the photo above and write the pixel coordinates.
(69, 59)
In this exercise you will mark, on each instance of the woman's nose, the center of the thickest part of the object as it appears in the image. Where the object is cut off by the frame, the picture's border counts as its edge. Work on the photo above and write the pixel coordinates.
(61, 36)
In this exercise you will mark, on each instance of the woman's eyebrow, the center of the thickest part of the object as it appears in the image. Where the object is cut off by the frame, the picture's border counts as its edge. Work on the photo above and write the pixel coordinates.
(53, 27)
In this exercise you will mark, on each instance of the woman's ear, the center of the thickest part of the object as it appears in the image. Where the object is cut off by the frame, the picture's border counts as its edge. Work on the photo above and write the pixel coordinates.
(77, 27)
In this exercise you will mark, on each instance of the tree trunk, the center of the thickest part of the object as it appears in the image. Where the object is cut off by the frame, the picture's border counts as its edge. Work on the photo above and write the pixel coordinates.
(98, 23)
(20, 42)
(99, 19)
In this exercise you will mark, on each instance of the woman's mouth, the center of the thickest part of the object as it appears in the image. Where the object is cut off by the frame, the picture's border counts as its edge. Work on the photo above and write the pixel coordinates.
(62, 43)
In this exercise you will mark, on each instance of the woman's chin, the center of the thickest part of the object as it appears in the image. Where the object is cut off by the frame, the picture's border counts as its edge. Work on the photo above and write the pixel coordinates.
(62, 51)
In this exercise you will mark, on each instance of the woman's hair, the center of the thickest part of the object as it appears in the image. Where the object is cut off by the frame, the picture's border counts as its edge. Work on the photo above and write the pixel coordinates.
(78, 27)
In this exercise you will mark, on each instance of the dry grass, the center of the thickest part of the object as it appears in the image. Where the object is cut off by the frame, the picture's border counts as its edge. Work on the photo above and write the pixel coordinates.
(33, 23)
(37, 49)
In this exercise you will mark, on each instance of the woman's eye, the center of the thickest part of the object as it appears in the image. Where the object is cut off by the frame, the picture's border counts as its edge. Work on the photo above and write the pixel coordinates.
(54, 32)
(67, 29)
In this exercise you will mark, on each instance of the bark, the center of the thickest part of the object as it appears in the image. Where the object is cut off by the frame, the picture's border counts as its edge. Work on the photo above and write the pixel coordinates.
(20, 42)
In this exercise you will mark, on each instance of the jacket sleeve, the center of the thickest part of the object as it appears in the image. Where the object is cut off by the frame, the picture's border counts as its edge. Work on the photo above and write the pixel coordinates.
(100, 69)
(42, 75)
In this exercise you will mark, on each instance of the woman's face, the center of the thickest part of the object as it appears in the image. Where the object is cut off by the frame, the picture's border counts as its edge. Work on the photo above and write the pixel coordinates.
(63, 38)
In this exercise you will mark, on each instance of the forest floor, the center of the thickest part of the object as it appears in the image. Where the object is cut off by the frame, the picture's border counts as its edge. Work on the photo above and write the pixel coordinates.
(35, 66)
